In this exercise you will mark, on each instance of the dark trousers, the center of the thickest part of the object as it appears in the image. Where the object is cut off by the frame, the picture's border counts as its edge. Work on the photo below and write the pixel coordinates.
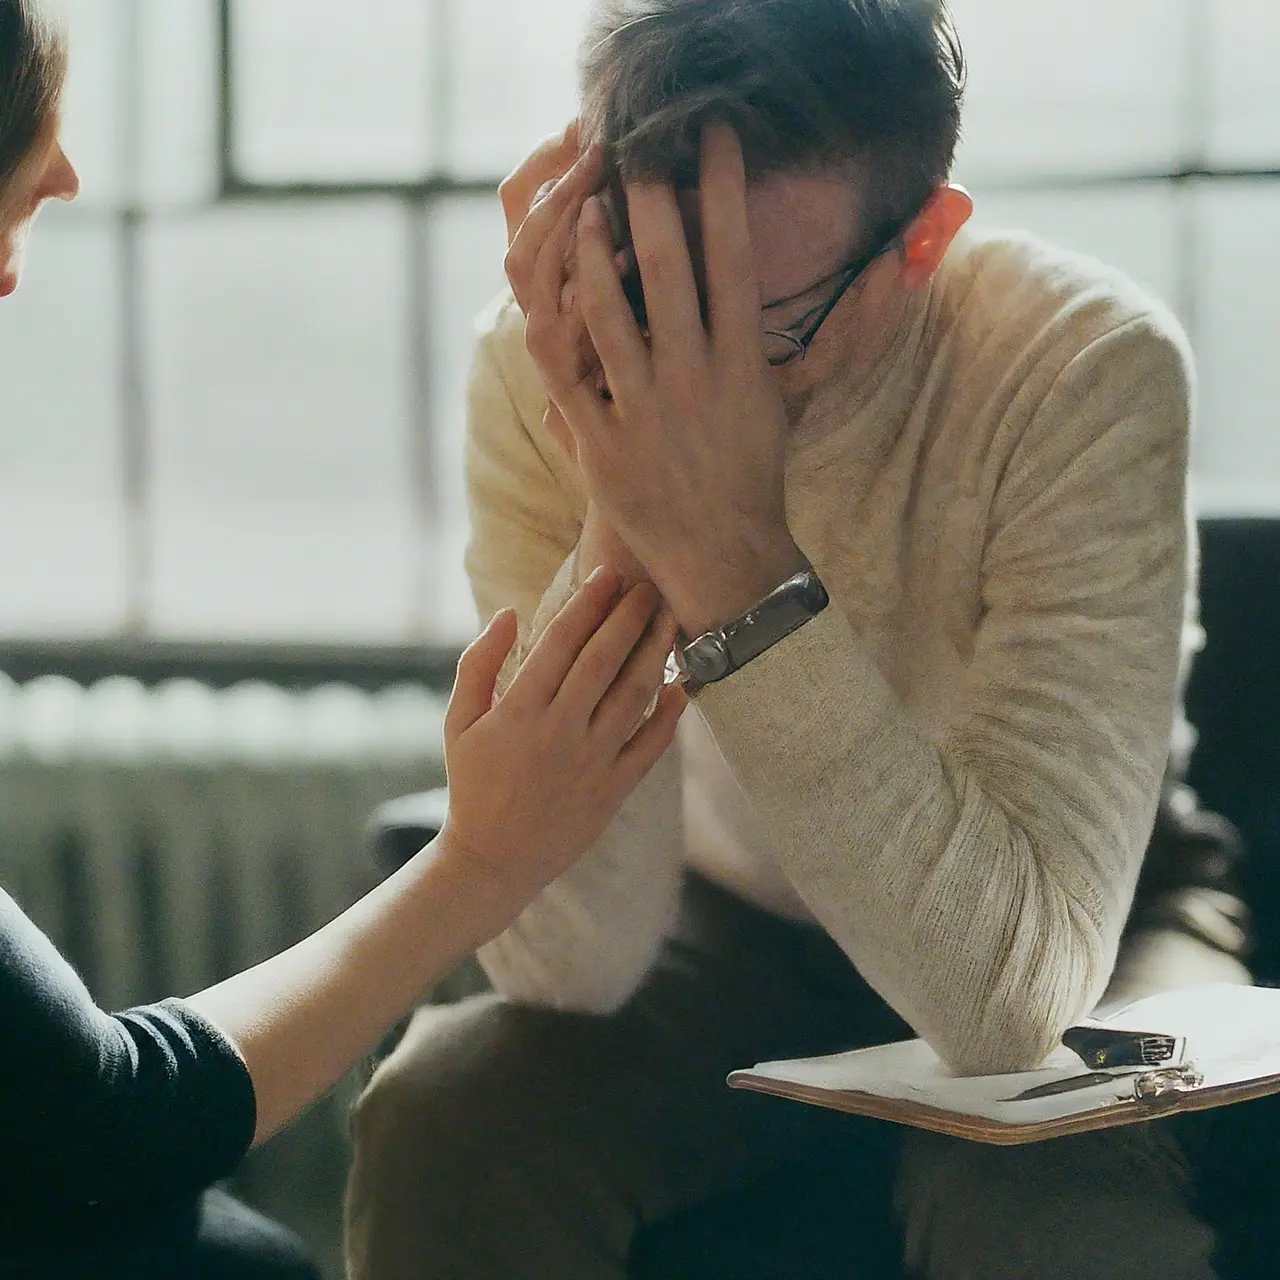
(500, 1142)
(211, 1237)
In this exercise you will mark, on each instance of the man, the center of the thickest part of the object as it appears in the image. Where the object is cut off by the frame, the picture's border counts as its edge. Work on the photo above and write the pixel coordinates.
(918, 502)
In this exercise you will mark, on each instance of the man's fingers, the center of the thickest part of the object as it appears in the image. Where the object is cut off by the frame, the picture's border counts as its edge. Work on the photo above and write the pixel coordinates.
(545, 330)
(623, 352)
(555, 334)
(733, 294)
(477, 674)
(542, 219)
(666, 272)
(558, 648)
(606, 654)
(558, 430)
(550, 159)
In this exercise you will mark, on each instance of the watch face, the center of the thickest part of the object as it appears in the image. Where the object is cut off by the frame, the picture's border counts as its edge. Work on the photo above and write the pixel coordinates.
(707, 659)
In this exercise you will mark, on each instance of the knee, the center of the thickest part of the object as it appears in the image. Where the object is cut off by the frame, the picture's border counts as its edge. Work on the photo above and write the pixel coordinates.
(414, 1118)
(423, 1140)
(475, 1084)
(1065, 1208)
(939, 1180)
(465, 1127)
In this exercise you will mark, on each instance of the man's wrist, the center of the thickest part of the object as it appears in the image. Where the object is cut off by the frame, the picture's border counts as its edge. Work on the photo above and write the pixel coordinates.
(600, 545)
(704, 602)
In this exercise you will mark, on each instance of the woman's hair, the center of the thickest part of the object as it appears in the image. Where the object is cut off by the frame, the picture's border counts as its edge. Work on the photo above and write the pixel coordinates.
(871, 84)
(32, 70)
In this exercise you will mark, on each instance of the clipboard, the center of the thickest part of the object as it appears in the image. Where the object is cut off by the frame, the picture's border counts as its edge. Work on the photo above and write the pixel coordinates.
(1216, 1045)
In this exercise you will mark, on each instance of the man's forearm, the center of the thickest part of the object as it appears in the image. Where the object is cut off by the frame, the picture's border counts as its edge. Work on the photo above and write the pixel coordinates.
(586, 942)
(987, 920)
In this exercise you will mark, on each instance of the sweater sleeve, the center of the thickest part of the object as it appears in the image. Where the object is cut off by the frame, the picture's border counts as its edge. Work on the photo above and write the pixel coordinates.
(587, 941)
(96, 1108)
(980, 878)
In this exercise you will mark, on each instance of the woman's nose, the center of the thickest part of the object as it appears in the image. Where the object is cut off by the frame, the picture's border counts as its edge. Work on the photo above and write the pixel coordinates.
(61, 181)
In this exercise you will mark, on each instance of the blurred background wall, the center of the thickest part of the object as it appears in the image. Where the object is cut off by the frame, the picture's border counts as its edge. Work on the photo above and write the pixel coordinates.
(231, 507)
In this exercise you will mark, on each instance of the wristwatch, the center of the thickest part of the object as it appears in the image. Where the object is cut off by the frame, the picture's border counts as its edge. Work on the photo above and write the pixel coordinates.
(724, 650)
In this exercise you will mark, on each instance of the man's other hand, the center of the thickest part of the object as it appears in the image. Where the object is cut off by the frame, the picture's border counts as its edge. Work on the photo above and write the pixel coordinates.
(684, 455)
(555, 166)
(535, 176)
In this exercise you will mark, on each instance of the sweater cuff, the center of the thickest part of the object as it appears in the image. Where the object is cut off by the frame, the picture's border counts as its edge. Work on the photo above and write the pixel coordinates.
(556, 596)
(773, 704)
(563, 585)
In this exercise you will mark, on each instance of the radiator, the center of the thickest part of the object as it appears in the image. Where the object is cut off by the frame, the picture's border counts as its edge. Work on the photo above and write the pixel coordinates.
(166, 836)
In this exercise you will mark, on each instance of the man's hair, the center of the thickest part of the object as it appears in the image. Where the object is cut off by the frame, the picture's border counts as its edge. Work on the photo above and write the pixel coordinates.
(32, 70)
(874, 85)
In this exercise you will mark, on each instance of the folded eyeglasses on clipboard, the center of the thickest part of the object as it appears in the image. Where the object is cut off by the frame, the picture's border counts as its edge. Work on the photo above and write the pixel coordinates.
(1150, 1066)
(1220, 1044)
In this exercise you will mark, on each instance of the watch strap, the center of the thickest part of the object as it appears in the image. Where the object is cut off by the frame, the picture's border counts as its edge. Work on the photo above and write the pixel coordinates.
(718, 653)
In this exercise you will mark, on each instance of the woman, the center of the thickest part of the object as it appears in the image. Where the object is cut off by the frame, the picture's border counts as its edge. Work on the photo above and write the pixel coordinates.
(111, 1127)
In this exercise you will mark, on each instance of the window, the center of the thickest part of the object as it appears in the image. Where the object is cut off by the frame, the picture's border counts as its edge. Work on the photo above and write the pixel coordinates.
(237, 370)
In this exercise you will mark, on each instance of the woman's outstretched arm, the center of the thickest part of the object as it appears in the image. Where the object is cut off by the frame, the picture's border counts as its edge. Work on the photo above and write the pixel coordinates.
(156, 1101)
(532, 782)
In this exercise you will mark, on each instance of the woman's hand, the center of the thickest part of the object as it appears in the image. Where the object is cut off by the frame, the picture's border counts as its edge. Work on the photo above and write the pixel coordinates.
(532, 781)
(537, 776)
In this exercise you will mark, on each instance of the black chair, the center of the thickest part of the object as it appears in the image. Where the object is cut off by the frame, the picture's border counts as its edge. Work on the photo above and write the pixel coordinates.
(781, 1229)
(1234, 702)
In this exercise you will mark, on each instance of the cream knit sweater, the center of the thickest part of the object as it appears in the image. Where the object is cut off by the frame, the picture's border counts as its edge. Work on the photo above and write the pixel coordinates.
(954, 769)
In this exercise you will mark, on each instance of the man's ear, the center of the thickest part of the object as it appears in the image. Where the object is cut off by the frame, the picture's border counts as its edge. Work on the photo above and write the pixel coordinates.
(929, 236)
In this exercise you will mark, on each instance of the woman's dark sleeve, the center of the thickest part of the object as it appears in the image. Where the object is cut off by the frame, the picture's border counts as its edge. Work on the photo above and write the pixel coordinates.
(96, 1108)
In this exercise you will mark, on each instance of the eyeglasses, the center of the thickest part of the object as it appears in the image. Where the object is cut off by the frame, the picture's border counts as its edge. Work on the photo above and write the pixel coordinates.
(782, 346)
